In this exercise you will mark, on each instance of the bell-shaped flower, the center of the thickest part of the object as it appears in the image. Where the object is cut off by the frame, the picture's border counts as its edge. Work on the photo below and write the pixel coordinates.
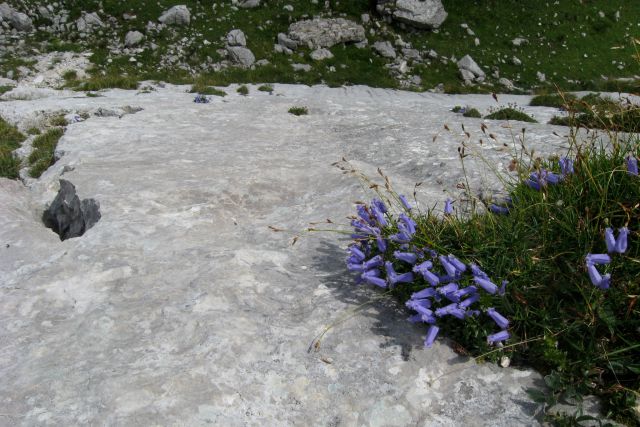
(498, 210)
(405, 202)
(432, 333)
(449, 268)
(486, 284)
(566, 166)
(448, 207)
(425, 293)
(459, 265)
(376, 261)
(597, 279)
(498, 337)
(395, 278)
(408, 257)
(379, 204)
(632, 165)
(500, 320)
(373, 280)
(469, 301)
(597, 259)
(621, 241)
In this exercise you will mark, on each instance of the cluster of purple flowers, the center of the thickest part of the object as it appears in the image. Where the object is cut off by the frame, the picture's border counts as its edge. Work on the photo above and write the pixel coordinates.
(614, 245)
(201, 99)
(378, 246)
(543, 177)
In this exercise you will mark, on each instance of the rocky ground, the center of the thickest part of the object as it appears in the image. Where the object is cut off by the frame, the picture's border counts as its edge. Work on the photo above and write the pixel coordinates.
(180, 306)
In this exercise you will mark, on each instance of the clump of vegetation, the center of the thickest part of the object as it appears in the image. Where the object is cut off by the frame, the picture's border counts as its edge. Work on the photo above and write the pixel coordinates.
(5, 89)
(109, 81)
(58, 120)
(546, 277)
(44, 147)
(10, 139)
(266, 88)
(93, 95)
(243, 90)
(33, 131)
(562, 100)
(458, 109)
(204, 89)
(596, 112)
(299, 111)
(70, 76)
(511, 112)
(473, 113)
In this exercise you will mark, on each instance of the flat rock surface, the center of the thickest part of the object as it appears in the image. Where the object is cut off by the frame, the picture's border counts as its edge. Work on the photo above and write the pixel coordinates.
(181, 307)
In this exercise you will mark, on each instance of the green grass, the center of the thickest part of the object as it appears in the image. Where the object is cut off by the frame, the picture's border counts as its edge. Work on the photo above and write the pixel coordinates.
(33, 131)
(110, 81)
(5, 89)
(553, 100)
(243, 90)
(10, 139)
(510, 113)
(299, 111)
(596, 112)
(58, 120)
(205, 89)
(266, 88)
(472, 112)
(70, 75)
(44, 147)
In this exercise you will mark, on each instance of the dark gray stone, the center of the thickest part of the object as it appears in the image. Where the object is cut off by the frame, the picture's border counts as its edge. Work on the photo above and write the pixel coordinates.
(68, 216)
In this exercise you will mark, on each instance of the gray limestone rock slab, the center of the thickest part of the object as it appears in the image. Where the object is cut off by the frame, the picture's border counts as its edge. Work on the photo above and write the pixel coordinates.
(89, 22)
(321, 54)
(249, 4)
(181, 307)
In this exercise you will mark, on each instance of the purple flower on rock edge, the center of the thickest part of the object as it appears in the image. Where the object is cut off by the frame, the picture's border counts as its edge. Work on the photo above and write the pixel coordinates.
(374, 280)
(363, 212)
(447, 289)
(356, 253)
(497, 337)
(632, 165)
(432, 333)
(376, 261)
(486, 284)
(394, 277)
(379, 215)
(618, 245)
(405, 202)
(408, 257)
(566, 166)
(533, 184)
(448, 267)
(499, 210)
(597, 259)
(201, 99)
(406, 224)
(448, 207)
(500, 320)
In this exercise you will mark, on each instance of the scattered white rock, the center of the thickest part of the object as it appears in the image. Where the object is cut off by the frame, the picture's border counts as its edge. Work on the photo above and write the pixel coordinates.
(384, 49)
(321, 54)
(417, 13)
(249, 4)
(301, 67)
(236, 38)
(16, 19)
(133, 38)
(319, 32)
(519, 41)
(468, 64)
(89, 22)
(177, 15)
(508, 84)
(541, 76)
(516, 61)
(241, 56)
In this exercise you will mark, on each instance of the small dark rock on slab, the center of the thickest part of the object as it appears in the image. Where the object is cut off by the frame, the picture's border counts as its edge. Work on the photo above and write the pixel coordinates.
(68, 216)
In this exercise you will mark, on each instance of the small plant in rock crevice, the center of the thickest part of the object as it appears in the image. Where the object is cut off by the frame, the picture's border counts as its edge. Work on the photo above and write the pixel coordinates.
(10, 139)
(299, 111)
(43, 154)
(243, 90)
(510, 112)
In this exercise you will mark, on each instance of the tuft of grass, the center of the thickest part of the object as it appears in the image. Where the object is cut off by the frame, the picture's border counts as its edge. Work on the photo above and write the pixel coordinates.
(243, 90)
(553, 100)
(58, 120)
(33, 131)
(70, 76)
(472, 112)
(204, 89)
(510, 113)
(299, 111)
(44, 147)
(596, 112)
(109, 81)
(266, 88)
(5, 89)
(10, 139)
(93, 95)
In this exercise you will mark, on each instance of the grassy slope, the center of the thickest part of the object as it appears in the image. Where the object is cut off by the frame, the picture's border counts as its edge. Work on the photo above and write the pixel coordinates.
(560, 35)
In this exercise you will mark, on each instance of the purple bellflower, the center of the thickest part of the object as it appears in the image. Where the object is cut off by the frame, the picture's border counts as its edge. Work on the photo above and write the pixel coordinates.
(448, 207)
(499, 210)
(459, 265)
(597, 279)
(405, 202)
(500, 320)
(597, 259)
(432, 333)
(566, 166)
(486, 284)
(394, 277)
(632, 165)
(408, 257)
(469, 301)
(618, 245)
(498, 337)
